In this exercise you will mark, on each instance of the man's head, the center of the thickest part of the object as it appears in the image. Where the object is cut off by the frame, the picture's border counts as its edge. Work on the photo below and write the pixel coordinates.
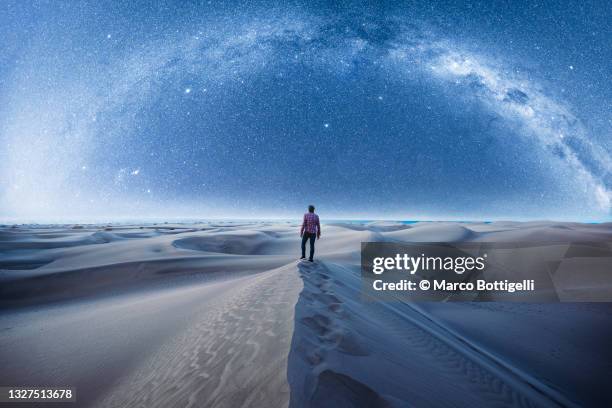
(311, 208)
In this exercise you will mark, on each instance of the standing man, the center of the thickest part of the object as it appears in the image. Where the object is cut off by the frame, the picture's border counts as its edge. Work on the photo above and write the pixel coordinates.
(311, 228)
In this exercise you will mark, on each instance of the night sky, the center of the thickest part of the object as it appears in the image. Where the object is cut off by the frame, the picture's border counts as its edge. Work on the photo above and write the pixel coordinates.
(403, 110)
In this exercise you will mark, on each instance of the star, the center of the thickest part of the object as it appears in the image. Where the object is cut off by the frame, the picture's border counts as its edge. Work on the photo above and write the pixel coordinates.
(326, 125)
(187, 90)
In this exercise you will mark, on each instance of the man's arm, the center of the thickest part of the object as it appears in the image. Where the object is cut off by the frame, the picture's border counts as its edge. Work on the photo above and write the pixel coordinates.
(318, 228)
(303, 226)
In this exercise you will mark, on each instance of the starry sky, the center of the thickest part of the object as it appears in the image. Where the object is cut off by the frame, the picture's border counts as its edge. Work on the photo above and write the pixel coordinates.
(397, 110)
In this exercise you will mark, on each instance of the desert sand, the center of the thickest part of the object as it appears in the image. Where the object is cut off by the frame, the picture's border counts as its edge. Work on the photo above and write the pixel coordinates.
(222, 314)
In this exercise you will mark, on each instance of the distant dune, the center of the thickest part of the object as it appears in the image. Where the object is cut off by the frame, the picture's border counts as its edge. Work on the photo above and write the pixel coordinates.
(223, 315)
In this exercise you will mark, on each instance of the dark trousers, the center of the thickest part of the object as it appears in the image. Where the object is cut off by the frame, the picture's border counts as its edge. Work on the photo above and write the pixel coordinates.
(308, 236)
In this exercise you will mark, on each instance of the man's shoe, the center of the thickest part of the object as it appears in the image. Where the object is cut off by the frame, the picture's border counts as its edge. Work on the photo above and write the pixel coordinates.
(310, 260)
(303, 257)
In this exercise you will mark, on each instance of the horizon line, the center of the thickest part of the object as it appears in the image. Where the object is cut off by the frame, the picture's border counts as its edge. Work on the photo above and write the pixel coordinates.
(191, 219)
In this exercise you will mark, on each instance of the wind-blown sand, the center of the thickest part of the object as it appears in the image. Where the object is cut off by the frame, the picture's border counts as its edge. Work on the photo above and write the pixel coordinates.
(223, 315)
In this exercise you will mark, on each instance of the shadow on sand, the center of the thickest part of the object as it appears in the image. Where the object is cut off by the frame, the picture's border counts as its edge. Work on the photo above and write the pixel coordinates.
(320, 331)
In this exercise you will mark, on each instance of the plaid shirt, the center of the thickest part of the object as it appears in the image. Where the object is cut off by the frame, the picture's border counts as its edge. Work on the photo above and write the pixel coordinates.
(311, 224)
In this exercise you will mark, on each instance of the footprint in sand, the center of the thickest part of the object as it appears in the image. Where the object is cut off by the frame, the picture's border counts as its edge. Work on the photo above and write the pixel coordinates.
(335, 389)
(328, 324)
(318, 323)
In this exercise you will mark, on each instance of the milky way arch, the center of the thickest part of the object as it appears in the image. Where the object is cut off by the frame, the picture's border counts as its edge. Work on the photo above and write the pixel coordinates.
(178, 125)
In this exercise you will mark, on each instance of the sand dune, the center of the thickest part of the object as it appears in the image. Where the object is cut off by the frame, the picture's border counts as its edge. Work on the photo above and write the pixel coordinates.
(233, 354)
(432, 232)
(223, 315)
(398, 354)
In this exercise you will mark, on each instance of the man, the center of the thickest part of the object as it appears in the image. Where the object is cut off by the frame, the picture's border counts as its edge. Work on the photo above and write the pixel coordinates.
(311, 228)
